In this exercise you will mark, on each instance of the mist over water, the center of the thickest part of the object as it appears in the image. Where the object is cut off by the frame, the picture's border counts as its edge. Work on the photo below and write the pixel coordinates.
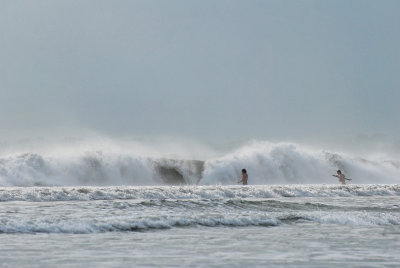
(108, 162)
(282, 163)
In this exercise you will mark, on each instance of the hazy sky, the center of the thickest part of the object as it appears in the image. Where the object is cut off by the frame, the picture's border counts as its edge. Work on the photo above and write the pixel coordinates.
(209, 70)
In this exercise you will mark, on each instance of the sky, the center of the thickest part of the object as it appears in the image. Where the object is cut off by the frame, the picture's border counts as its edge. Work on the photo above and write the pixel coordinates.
(218, 71)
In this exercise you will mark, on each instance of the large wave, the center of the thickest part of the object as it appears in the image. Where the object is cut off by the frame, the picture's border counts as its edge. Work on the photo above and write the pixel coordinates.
(266, 163)
(286, 163)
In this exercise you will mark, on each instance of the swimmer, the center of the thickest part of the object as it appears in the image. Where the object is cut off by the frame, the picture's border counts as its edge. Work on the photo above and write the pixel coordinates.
(342, 178)
(245, 177)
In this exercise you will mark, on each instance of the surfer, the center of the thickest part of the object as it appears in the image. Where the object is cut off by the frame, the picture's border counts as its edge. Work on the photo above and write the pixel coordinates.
(245, 177)
(342, 178)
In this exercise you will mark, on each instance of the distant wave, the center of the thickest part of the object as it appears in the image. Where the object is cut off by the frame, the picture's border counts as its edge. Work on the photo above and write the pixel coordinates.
(45, 194)
(265, 162)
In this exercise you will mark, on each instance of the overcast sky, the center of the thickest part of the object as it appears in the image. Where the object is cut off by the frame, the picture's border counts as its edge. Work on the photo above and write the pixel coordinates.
(210, 70)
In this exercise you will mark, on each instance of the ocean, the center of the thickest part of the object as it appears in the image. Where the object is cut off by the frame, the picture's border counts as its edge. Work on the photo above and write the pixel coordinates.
(117, 209)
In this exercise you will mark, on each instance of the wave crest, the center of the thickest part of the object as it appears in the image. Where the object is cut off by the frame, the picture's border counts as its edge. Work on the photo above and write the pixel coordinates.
(265, 162)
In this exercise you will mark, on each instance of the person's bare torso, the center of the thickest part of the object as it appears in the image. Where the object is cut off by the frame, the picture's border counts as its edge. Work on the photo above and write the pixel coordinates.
(245, 177)
(342, 178)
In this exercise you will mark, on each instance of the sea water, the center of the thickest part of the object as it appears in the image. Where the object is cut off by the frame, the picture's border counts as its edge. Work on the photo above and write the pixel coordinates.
(124, 205)
(205, 226)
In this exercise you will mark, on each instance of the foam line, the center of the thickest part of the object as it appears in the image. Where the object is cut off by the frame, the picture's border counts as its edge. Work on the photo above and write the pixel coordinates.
(45, 194)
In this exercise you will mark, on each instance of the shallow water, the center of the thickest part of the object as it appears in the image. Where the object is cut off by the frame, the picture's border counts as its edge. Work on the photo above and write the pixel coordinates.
(280, 226)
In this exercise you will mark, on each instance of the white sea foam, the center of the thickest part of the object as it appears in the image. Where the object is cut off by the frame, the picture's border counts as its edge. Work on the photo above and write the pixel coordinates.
(283, 163)
(111, 165)
(111, 219)
(44, 194)
(354, 218)
(128, 224)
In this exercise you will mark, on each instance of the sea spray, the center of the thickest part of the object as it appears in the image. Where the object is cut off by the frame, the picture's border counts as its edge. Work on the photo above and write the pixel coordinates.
(267, 163)
(284, 163)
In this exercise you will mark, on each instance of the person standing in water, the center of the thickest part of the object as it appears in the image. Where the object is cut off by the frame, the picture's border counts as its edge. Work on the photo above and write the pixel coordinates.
(342, 178)
(245, 177)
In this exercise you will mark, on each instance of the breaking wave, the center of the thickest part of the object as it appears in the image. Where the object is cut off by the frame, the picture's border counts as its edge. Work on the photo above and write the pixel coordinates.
(90, 226)
(48, 194)
(116, 209)
(265, 162)
(134, 225)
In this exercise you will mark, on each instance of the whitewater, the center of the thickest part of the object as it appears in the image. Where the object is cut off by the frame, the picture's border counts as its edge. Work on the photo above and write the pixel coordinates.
(111, 164)
(122, 205)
